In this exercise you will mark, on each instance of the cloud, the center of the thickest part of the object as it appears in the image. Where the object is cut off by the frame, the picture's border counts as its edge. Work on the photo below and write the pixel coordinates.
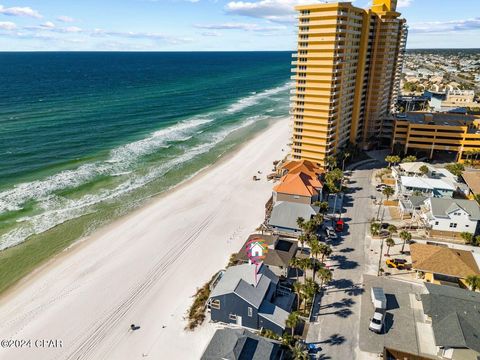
(404, 3)
(20, 11)
(445, 26)
(139, 35)
(239, 26)
(65, 19)
(7, 25)
(273, 10)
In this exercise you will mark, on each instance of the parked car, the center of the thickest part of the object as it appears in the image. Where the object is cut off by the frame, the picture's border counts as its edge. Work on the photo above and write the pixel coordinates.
(400, 264)
(380, 187)
(379, 299)
(377, 320)
(330, 231)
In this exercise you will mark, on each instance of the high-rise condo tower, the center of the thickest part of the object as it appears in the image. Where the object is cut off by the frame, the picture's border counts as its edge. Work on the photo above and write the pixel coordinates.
(347, 75)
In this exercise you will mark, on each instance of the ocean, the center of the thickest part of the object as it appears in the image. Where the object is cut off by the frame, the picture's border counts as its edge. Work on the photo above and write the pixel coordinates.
(86, 137)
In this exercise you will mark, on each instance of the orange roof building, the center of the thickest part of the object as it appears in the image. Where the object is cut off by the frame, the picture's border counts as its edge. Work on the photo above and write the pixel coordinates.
(305, 166)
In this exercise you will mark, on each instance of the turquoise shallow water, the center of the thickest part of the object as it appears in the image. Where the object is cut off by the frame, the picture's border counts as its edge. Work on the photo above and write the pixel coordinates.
(86, 137)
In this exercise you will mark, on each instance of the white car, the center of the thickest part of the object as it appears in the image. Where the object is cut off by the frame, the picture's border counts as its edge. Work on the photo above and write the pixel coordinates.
(376, 322)
(330, 232)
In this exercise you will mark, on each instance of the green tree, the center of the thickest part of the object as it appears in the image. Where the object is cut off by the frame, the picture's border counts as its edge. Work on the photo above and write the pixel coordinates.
(331, 162)
(295, 263)
(323, 206)
(345, 156)
(392, 160)
(477, 198)
(303, 238)
(325, 250)
(473, 281)
(325, 275)
(405, 236)
(299, 351)
(455, 168)
(298, 288)
(392, 229)
(423, 169)
(388, 191)
(467, 237)
(300, 222)
(389, 242)
(410, 158)
(305, 264)
(315, 247)
(292, 321)
(375, 228)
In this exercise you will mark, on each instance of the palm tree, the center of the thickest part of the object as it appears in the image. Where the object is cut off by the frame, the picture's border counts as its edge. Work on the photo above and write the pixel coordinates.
(331, 162)
(392, 229)
(405, 236)
(295, 262)
(388, 191)
(423, 169)
(315, 265)
(392, 159)
(473, 281)
(310, 288)
(292, 321)
(325, 276)
(304, 265)
(375, 228)
(315, 247)
(300, 222)
(325, 250)
(299, 352)
(303, 238)
(323, 206)
(389, 242)
(298, 288)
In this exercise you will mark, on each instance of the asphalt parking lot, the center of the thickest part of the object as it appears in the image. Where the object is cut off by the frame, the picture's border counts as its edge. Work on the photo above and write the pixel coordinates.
(400, 331)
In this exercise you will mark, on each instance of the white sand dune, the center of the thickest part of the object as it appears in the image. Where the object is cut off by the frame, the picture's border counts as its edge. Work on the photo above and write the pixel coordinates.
(144, 268)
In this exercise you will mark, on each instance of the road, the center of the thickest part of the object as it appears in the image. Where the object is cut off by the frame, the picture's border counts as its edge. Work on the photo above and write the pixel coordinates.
(337, 327)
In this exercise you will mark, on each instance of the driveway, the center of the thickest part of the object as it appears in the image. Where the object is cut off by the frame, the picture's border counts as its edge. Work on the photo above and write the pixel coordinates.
(338, 313)
(400, 330)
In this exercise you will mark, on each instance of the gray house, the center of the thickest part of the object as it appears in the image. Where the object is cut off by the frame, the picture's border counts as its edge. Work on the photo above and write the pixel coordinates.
(255, 301)
(235, 344)
(283, 219)
(455, 320)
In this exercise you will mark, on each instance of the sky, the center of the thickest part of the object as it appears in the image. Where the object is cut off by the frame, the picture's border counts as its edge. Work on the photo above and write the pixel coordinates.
(205, 25)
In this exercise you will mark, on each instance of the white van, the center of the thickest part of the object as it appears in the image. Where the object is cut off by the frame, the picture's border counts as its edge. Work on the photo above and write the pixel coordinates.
(379, 299)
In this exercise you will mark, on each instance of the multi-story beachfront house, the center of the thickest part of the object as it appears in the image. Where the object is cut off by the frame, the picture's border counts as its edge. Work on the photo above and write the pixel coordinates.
(347, 75)
(250, 297)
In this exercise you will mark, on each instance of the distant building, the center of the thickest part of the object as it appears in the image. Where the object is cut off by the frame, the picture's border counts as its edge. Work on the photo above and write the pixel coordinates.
(347, 75)
(236, 344)
(437, 134)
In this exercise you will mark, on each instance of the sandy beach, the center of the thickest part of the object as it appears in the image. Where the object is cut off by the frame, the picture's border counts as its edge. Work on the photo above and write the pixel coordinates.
(144, 269)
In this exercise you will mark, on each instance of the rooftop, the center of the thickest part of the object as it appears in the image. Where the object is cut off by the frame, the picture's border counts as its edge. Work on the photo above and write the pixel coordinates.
(279, 254)
(285, 214)
(455, 315)
(425, 183)
(299, 183)
(448, 119)
(442, 207)
(240, 280)
(443, 260)
(472, 178)
(235, 344)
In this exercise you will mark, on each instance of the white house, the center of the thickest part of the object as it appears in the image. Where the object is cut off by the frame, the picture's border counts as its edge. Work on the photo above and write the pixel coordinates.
(452, 215)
